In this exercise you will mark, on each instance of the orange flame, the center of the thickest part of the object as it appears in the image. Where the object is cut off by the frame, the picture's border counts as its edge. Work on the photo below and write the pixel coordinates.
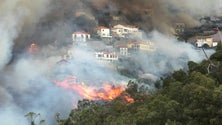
(129, 99)
(107, 92)
(33, 48)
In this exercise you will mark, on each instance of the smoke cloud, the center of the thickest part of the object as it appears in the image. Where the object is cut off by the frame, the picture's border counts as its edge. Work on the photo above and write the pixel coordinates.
(162, 15)
(170, 55)
(14, 15)
(26, 82)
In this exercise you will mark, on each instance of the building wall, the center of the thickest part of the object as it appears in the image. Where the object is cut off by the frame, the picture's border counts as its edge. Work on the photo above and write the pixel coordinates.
(126, 29)
(104, 32)
(147, 46)
(123, 30)
(135, 46)
(77, 37)
(209, 41)
(118, 32)
(106, 57)
(124, 51)
(144, 46)
(179, 28)
(203, 41)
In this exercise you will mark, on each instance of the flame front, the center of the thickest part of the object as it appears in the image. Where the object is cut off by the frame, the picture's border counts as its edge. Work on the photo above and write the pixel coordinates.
(106, 92)
(33, 48)
(129, 99)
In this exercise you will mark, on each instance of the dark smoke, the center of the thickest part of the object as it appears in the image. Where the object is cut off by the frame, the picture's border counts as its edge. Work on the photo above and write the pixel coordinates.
(26, 80)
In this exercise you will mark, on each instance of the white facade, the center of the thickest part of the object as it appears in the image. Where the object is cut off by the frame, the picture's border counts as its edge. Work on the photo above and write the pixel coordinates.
(122, 30)
(206, 41)
(103, 32)
(106, 56)
(80, 36)
(118, 32)
(123, 50)
(141, 46)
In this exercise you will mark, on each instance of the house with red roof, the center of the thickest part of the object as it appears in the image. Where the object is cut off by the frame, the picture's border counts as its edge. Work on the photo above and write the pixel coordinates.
(206, 41)
(123, 50)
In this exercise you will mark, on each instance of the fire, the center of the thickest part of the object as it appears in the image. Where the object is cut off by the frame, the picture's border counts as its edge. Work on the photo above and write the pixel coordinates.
(129, 99)
(106, 92)
(33, 48)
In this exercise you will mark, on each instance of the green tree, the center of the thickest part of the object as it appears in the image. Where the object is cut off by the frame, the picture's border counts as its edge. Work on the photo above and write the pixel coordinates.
(180, 76)
(32, 116)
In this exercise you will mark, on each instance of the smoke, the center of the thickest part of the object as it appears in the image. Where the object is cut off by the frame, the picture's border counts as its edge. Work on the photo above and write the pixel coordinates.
(27, 86)
(26, 83)
(87, 68)
(15, 15)
(11, 116)
(170, 55)
(163, 15)
(67, 16)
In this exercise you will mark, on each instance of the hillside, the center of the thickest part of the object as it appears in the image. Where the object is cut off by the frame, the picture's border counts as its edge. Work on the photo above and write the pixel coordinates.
(185, 98)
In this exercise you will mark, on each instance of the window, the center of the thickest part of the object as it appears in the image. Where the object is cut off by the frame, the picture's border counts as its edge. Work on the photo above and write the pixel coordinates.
(99, 55)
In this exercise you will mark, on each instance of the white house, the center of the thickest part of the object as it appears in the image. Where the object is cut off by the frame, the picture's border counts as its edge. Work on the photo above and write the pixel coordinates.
(141, 46)
(206, 42)
(123, 30)
(103, 32)
(117, 32)
(123, 50)
(80, 36)
(106, 56)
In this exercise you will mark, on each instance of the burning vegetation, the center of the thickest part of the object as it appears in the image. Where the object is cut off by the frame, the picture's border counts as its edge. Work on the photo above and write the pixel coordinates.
(65, 30)
(105, 92)
(190, 97)
(33, 48)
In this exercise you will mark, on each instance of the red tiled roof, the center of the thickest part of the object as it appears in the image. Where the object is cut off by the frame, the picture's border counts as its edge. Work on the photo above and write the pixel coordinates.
(123, 46)
(106, 52)
(148, 42)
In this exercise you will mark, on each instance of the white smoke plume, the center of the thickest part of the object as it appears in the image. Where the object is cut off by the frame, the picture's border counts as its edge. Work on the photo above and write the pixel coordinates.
(170, 55)
(14, 15)
(27, 87)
